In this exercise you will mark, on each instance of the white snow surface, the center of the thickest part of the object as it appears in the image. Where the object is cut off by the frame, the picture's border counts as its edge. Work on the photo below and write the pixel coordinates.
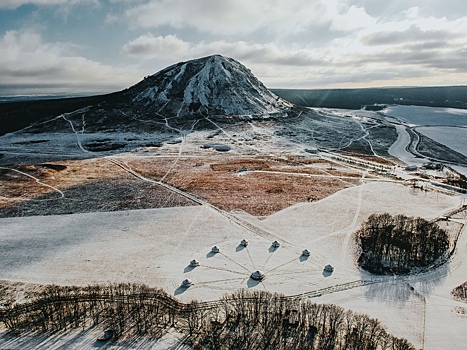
(156, 246)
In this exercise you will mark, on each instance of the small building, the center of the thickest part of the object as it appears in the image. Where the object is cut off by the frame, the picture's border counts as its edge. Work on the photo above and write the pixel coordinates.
(215, 249)
(244, 242)
(306, 252)
(194, 263)
(243, 169)
(276, 244)
(187, 283)
(258, 275)
(329, 268)
(411, 168)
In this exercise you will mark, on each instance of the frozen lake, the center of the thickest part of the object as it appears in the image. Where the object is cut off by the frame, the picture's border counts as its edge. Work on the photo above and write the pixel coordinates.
(428, 115)
(454, 138)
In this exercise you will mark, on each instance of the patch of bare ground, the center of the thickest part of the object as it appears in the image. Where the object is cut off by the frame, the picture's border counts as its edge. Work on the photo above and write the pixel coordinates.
(267, 185)
(87, 186)
(460, 292)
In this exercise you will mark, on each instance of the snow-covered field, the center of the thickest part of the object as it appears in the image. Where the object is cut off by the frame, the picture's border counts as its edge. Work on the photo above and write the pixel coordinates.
(156, 246)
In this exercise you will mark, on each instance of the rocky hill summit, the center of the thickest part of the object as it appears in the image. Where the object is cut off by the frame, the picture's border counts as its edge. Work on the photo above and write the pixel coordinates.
(185, 93)
(213, 85)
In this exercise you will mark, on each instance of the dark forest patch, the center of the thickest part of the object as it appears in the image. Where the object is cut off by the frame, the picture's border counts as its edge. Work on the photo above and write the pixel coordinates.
(399, 244)
(460, 292)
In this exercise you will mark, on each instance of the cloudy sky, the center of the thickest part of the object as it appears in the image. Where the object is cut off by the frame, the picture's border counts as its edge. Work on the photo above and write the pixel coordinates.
(90, 46)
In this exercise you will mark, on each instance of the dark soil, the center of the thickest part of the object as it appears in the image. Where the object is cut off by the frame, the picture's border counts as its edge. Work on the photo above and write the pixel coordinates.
(99, 196)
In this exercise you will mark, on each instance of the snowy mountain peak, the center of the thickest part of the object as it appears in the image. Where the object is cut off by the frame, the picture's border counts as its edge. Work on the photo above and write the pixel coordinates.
(213, 85)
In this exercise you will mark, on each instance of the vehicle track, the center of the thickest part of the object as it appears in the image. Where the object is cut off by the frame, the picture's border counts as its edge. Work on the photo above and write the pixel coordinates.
(352, 227)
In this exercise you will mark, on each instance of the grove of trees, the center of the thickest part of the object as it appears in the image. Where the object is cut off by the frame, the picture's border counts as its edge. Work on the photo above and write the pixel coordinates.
(242, 320)
(262, 320)
(460, 292)
(399, 244)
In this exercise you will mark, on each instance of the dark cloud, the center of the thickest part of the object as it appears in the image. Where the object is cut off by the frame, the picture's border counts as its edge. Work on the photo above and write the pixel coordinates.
(30, 72)
(285, 42)
(412, 34)
(412, 57)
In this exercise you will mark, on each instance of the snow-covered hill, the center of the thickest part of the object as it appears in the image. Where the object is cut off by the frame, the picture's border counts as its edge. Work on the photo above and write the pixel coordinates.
(213, 85)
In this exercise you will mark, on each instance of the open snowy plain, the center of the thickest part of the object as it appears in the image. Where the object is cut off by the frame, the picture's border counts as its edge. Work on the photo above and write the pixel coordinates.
(155, 247)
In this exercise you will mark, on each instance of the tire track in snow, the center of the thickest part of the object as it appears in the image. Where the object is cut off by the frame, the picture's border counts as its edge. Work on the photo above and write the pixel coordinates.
(232, 218)
(282, 265)
(448, 338)
(207, 283)
(352, 226)
(187, 231)
(270, 255)
(223, 269)
(251, 259)
(232, 260)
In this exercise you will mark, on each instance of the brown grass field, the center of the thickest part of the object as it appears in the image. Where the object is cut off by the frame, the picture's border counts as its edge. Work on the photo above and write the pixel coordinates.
(267, 186)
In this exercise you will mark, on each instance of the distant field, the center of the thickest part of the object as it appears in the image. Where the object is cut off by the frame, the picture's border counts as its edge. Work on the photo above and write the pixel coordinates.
(446, 96)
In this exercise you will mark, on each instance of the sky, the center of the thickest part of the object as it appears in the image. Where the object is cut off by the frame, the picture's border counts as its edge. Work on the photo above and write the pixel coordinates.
(97, 46)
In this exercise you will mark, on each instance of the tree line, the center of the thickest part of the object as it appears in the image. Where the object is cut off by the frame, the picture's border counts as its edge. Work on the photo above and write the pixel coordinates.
(263, 320)
(399, 244)
(242, 320)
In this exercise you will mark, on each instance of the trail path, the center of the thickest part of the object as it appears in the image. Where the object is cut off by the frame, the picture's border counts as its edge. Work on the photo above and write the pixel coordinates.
(353, 226)
(62, 195)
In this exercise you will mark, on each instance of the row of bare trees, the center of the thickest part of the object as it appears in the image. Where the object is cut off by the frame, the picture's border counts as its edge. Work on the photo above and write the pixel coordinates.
(125, 308)
(398, 244)
(242, 320)
(262, 320)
